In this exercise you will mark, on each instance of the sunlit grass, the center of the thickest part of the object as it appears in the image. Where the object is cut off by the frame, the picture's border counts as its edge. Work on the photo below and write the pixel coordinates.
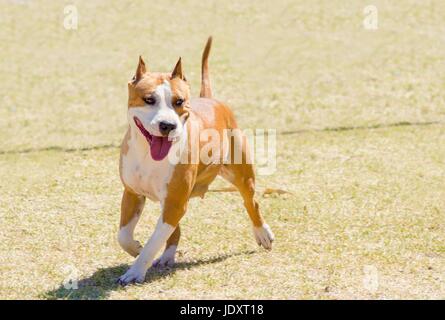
(364, 194)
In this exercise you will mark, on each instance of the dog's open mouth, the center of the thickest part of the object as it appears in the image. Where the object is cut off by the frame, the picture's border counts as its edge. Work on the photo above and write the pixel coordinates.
(159, 146)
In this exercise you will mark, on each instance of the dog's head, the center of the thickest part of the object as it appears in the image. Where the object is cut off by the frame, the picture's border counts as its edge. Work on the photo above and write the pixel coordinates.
(158, 106)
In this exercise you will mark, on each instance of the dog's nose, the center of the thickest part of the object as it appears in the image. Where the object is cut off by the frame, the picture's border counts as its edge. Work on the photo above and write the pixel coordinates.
(166, 127)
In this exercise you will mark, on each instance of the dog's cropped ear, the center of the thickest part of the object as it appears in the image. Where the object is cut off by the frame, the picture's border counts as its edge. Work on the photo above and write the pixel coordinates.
(178, 72)
(141, 69)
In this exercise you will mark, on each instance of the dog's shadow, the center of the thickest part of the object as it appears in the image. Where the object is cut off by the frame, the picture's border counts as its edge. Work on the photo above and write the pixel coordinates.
(104, 281)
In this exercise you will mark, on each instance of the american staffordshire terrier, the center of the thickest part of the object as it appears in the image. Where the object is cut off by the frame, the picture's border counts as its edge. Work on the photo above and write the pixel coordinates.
(165, 157)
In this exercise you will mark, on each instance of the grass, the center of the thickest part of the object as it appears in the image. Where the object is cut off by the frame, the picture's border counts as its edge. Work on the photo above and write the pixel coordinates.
(362, 148)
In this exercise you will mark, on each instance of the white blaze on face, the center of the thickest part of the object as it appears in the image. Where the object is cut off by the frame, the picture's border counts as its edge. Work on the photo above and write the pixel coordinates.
(164, 92)
(162, 111)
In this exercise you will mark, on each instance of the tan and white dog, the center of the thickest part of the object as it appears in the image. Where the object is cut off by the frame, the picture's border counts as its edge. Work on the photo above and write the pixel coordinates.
(162, 120)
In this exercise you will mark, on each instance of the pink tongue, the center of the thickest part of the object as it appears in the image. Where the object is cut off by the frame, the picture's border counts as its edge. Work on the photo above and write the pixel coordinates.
(159, 147)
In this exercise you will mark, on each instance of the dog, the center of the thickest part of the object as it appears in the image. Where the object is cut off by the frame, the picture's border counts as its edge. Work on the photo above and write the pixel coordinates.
(162, 120)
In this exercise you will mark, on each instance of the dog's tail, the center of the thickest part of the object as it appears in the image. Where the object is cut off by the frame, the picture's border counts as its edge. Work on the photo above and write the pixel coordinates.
(206, 90)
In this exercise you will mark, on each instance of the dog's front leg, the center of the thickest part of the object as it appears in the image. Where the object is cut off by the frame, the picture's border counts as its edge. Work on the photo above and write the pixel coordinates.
(137, 271)
(173, 209)
(131, 209)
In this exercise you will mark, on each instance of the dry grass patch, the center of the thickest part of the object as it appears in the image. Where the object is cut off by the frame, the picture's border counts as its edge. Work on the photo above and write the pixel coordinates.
(359, 200)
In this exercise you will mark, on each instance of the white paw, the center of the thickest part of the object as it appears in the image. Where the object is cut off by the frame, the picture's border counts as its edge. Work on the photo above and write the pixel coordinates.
(264, 236)
(167, 259)
(135, 249)
(131, 246)
(133, 275)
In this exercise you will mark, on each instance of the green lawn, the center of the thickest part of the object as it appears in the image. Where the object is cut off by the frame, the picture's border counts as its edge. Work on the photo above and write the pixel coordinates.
(361, 148)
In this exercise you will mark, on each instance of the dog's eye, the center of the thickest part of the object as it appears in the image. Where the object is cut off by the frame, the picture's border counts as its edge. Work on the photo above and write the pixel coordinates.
(150, 100)
(179, 102)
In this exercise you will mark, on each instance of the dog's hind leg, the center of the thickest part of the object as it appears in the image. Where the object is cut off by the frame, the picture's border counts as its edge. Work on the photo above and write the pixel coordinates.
(131, 209)
(167, 259)
(242, 176)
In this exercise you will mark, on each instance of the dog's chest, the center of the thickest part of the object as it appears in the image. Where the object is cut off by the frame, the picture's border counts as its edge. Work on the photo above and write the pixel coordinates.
(144, 175)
